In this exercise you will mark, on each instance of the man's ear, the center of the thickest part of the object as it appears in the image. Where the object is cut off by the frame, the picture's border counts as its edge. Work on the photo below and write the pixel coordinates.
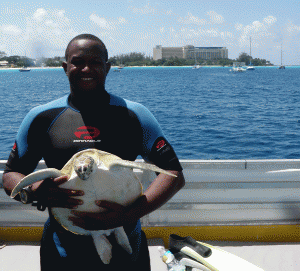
(108, 66)
(65, 65)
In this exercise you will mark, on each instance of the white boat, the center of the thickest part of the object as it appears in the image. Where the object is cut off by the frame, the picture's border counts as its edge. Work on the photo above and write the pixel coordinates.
(250, 67)
(119, 68)
(238, 69)
(250, 208)
(24, 69)
(196, 66)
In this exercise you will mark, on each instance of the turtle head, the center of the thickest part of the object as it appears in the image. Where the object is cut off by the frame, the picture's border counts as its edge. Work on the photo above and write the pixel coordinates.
(84, 166)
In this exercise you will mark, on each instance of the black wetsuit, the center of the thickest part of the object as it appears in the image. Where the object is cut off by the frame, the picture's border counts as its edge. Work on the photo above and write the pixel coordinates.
(55, 132)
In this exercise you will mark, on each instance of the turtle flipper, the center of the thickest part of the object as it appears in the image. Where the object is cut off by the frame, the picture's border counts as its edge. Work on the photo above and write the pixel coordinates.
(103, 246)
(122, 239)
(35, 177)
(144, 166)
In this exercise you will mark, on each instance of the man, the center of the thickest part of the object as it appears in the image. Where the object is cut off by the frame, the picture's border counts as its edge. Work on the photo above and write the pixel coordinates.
(89, 117)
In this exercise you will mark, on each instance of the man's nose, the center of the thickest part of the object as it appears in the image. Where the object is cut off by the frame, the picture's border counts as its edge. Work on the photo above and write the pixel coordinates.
(86, 68)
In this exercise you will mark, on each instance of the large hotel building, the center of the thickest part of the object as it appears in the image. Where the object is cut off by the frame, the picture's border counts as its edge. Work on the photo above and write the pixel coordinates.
(190, 52)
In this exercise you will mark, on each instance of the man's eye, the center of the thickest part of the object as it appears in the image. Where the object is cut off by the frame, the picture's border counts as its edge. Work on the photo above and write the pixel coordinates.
(78, 62)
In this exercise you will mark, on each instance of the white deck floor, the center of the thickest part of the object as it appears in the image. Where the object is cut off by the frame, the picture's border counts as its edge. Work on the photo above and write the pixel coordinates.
(270, 257)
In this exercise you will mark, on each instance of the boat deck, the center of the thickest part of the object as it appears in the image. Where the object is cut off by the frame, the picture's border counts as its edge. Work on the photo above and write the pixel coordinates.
(250, 208)
(24, 256)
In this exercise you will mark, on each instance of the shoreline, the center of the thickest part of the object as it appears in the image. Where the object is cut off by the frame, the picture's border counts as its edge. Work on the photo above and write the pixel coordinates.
(115, 67)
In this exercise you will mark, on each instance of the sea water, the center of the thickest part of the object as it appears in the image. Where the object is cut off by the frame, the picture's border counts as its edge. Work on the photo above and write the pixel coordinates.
(206, 113)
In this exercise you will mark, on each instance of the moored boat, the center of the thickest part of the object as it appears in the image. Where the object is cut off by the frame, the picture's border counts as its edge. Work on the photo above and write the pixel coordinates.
(238, 67)
(24, 69)
(196, 66)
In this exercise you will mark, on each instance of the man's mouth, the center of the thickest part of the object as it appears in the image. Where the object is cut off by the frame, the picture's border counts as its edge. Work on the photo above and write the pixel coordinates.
(87, 79)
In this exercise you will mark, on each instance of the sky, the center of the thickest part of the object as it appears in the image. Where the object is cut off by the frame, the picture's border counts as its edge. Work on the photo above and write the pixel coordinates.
(44, 28)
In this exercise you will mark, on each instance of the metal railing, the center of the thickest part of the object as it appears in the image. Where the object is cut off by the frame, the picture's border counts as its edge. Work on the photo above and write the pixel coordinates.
(217, 192)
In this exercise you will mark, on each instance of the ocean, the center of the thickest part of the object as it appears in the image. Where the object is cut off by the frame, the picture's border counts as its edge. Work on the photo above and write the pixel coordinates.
(206, 113)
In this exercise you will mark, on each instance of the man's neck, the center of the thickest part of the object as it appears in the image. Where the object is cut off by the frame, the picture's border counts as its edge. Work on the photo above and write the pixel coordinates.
(89, 103)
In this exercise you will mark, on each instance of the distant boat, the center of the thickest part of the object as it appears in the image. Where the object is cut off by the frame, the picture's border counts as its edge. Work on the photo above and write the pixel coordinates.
(238, 67)
(281, 66)
(119, 68)
(250, 67)
(24, 69)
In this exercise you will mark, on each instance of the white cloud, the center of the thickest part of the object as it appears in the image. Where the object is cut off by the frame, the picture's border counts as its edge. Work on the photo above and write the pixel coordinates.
(260, 31)
(238, 26)
(292, 29)
(215, 18)
(10, 30)
(191, 19)
(108, 24)
(226, 34)
(270, 20)
(39, 14)
(46, 33)
(122, 20)
(144, 10)
(99, 21)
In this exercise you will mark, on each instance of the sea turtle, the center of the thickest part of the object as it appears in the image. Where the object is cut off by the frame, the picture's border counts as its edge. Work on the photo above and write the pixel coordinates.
(102, 176)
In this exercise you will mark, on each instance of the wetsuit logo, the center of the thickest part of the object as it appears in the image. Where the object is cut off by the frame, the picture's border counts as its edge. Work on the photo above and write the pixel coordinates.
(87, 132)
(160, 144)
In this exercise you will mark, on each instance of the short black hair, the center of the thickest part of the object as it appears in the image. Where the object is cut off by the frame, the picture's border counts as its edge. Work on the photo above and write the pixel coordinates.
(87, 37)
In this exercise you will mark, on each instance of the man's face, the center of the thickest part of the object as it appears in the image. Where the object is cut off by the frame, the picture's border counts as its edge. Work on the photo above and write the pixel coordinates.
(86, 67)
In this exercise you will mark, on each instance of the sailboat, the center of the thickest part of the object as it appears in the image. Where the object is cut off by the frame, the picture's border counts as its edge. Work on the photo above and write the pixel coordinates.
(250, 67)
(196, 66)
(281, 66)
(120, 67)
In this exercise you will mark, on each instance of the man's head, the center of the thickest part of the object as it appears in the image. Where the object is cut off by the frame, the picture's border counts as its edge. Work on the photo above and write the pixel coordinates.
(87, 37)
(86, 66)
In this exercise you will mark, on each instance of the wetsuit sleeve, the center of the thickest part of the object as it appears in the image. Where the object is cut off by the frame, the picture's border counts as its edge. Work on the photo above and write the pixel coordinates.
(26, 152)
(155, 146)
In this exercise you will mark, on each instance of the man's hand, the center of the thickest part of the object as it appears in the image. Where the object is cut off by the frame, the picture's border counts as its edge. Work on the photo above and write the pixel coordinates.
(112, 216)
(49, 192)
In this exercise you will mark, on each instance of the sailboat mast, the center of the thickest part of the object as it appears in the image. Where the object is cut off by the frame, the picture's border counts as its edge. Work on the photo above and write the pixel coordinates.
(281, 54)
(250, 49)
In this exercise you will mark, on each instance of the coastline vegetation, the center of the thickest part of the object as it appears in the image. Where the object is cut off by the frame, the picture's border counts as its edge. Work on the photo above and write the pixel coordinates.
(132, 59)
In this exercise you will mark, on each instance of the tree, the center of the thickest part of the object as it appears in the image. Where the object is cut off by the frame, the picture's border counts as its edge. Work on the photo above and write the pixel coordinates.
(2, 54)
(244, 57)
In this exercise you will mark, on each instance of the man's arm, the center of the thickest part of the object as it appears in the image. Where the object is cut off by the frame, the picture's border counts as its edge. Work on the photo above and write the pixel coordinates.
(163, 188)
(10, 180)
(53, 196)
